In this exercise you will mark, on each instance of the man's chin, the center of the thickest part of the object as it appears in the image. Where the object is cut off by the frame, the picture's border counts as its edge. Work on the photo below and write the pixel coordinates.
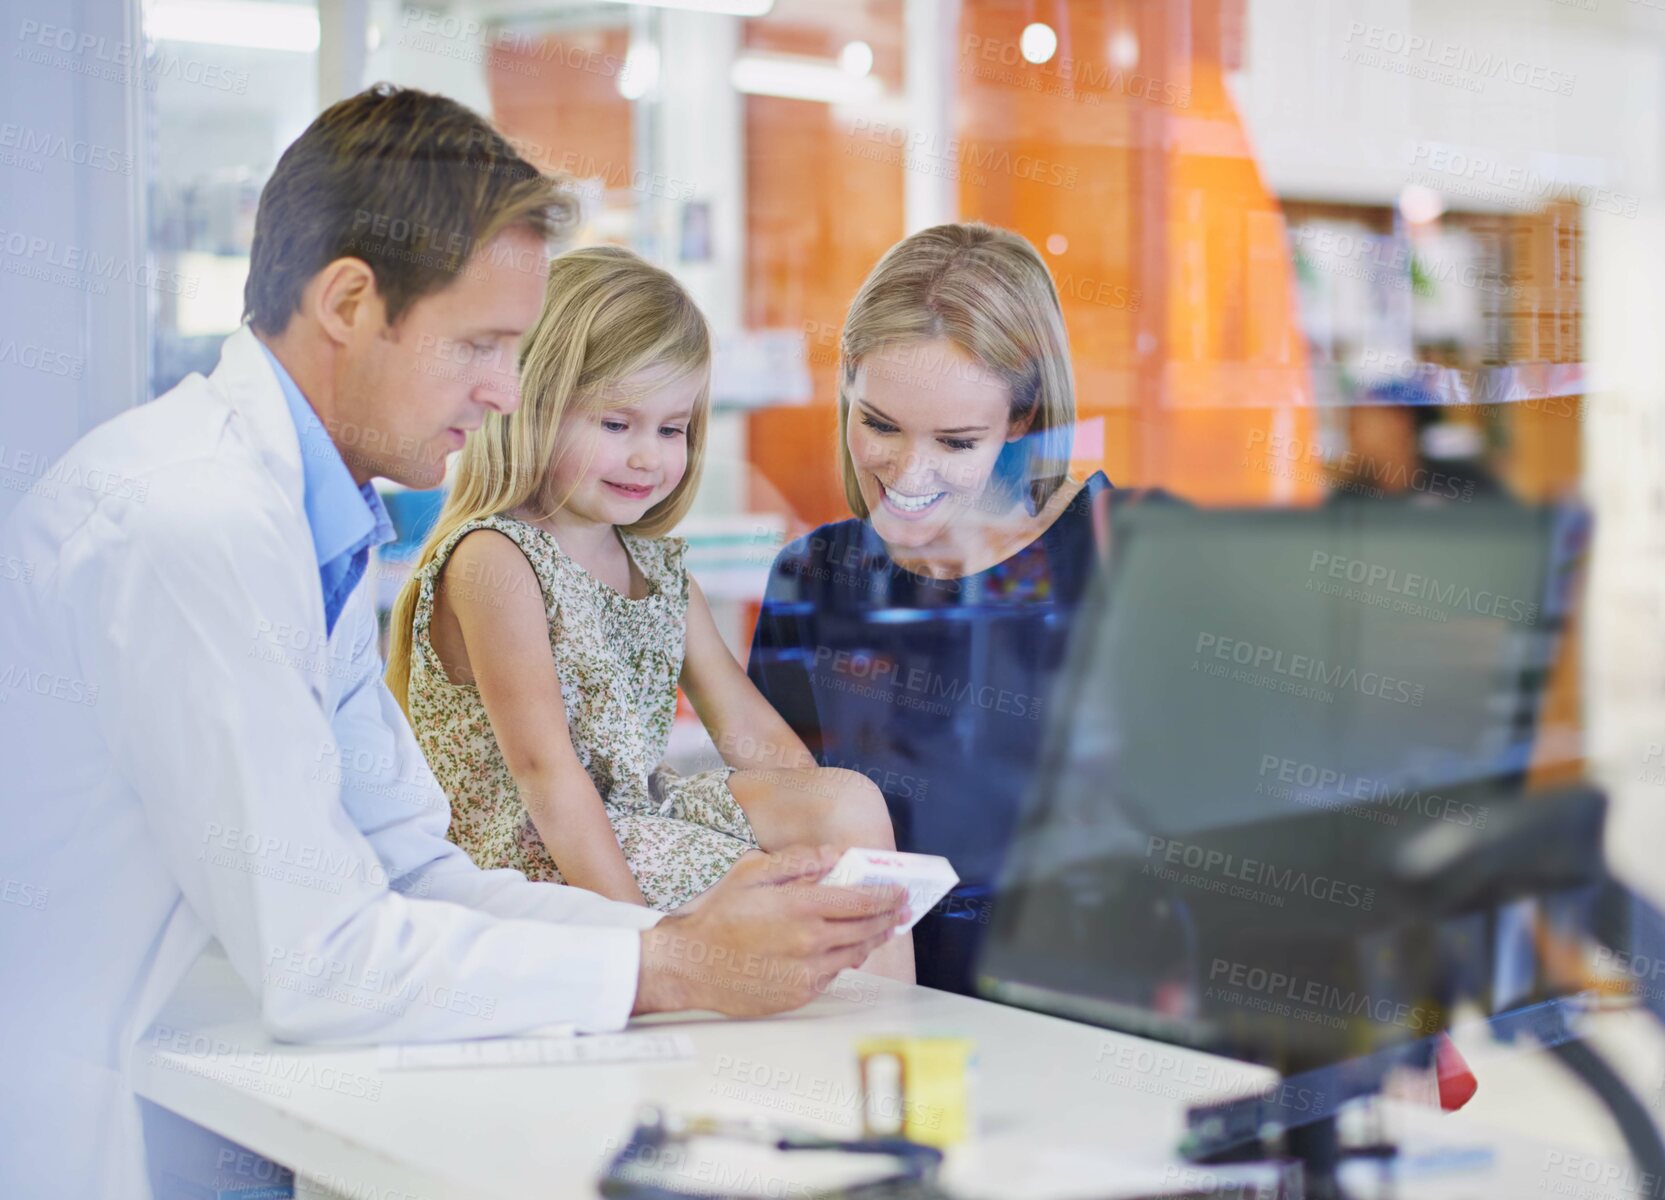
(419, 475)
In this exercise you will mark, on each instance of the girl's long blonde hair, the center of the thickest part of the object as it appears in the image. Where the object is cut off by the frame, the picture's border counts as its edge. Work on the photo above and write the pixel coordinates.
(607, 315)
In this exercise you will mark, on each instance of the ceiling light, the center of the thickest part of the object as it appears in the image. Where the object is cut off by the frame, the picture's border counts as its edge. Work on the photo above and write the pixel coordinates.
(856, 59)
(1419, 204)
(1124, 51)
(795, 77)
(1038, 42)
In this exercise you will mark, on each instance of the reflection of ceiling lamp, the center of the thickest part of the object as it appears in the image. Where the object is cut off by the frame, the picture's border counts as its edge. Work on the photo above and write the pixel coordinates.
(733, 8)
(795, 77)
(856, 59)
(641, 71)
(1038, 42)
(1420, 205)
(256, 24)
(1124, 50)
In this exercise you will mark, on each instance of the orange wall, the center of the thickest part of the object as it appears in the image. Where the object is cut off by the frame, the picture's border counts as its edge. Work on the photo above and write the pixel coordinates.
(823, 202)
(558, 99)
(1138, 185)
(1136, 181)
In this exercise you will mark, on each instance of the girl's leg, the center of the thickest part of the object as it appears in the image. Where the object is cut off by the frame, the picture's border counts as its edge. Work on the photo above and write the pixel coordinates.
(689, 906)
(824, 806)
(675, 861)
(815, 805)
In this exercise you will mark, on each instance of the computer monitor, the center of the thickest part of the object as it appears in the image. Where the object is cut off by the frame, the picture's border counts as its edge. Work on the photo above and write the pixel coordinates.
(1260, 707)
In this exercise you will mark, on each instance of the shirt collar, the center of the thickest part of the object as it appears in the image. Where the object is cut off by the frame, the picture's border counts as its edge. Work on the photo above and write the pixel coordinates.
(342, 515)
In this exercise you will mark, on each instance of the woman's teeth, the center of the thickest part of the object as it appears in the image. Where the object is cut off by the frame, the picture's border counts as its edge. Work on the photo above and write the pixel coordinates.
(911, 503)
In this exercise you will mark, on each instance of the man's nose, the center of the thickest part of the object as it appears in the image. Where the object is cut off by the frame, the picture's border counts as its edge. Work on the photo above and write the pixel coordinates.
(498, 389)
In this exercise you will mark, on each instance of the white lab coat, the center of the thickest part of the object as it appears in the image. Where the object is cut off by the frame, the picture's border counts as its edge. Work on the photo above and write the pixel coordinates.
(187, 757)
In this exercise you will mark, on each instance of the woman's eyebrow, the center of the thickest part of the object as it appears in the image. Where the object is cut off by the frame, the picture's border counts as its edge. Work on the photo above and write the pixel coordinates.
(892, 421)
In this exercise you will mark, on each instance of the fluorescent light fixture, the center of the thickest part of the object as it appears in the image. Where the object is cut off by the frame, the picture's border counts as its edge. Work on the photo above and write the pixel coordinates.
(856, 59)
(1038, 42)
(732, 8)
(255, 24)
(796, 77)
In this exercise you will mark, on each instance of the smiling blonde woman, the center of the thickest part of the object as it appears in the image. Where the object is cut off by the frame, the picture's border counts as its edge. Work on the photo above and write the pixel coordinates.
(916, 642)
(956, 405)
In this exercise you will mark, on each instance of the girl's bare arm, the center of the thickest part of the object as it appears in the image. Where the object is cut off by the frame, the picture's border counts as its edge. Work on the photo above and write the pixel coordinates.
(506, 634)
(748, 732)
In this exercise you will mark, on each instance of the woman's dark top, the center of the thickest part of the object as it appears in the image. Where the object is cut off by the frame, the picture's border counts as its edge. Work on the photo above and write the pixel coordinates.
(938, 690)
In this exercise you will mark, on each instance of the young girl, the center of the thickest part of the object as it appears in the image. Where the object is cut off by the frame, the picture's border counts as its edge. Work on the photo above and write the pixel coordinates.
(538, 645)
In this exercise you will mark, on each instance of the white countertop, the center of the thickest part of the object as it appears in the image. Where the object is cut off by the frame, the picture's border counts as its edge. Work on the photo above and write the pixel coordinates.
(1061, 1109)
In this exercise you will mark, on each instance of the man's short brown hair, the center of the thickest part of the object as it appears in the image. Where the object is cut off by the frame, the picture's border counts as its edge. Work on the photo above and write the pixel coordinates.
(409, 182)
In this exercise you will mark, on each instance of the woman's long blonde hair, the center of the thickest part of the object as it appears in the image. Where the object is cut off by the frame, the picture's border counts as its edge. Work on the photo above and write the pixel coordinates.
(988, 291)
(607, 315)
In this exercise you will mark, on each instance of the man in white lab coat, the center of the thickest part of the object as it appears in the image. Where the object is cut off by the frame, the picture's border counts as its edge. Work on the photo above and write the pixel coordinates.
(196, 737)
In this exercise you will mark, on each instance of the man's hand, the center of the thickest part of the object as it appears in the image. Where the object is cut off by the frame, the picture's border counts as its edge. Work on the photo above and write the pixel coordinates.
(765, 939)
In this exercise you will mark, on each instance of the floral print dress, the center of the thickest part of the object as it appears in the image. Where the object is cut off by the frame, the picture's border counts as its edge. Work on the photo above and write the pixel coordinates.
(618, 661)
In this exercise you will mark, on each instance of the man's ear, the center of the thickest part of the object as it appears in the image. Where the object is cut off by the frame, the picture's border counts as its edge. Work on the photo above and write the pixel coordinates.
(345, 301)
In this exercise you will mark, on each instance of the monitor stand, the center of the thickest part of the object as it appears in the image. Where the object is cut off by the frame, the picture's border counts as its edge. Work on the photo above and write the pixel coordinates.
(1307, 1159)
(1306, 1154)
(1306, 1150)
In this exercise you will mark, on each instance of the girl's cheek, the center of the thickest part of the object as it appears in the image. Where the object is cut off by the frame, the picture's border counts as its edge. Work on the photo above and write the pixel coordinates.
(563, 465)
(593, 458)
(596, 463)
(674, 468)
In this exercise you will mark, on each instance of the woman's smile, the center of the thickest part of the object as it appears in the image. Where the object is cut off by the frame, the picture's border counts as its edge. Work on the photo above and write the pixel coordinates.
(905, 505)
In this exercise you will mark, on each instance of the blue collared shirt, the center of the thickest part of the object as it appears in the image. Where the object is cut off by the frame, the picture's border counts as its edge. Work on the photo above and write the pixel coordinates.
(346, 519)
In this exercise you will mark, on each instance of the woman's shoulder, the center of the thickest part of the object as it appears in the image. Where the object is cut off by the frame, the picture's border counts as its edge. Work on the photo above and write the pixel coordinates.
(811, 562)
(1073, 508)
(1082, 526)
(826, 543)
(1091, 487)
